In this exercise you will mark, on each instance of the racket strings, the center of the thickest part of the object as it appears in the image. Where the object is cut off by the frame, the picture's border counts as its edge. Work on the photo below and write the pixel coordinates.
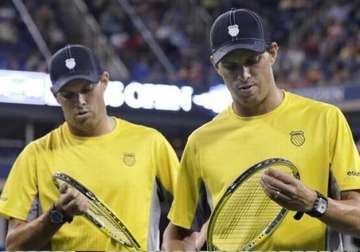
(96, 212)
(247, 212)
(234, 218)
(237, 218)
(100, 214)
(235, 212)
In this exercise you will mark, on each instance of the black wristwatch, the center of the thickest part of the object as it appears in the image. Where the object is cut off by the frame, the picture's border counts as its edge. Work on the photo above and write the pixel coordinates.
(58, 217)
(320, 206)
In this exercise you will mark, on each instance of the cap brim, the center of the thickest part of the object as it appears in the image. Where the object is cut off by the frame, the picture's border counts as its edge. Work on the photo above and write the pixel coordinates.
(62, 82)
(258, 47)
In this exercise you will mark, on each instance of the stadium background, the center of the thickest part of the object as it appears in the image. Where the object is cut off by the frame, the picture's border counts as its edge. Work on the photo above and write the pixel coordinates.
(166, 42)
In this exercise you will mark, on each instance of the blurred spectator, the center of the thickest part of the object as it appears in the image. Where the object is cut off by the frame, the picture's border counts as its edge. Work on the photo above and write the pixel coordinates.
(325, 52)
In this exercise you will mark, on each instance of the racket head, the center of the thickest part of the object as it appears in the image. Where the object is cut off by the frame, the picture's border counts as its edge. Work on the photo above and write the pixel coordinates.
(99, 214)
(245, 215)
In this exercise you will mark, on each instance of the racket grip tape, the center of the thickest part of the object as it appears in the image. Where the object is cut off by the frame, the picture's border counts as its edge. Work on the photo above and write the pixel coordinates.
(298, 215)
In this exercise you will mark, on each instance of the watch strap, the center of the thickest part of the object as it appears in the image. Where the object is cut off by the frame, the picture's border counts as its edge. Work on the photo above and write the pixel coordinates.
(65, 217)
(314, 212)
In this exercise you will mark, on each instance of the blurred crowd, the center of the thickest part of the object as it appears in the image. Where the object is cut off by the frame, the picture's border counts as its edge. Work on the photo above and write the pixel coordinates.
(319, 40)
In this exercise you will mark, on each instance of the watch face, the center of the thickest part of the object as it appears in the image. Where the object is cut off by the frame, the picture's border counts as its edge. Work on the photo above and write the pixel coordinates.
(322, 206)
(56, 217)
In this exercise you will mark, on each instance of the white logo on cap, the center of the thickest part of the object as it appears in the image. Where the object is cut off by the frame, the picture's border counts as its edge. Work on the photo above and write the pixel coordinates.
(233, 30)
(70, 63)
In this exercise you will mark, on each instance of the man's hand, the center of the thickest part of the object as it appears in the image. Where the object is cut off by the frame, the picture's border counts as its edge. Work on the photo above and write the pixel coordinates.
(71, 202)
(287, 191)
(36, 234)
(178, 238)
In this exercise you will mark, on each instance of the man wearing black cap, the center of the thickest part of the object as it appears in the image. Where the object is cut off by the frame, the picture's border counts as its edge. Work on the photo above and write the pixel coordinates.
(124, 164)
(265, 122)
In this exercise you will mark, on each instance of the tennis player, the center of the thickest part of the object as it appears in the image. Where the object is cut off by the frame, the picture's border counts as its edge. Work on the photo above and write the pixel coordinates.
(265, 122)
(128, 166)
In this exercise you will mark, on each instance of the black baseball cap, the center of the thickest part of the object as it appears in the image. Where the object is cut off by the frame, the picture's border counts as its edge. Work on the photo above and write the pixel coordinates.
(73, 62)
(236, 29)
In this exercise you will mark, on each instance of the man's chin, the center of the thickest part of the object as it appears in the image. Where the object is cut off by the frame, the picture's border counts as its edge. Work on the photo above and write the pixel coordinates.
(249, 101)
(83, 124)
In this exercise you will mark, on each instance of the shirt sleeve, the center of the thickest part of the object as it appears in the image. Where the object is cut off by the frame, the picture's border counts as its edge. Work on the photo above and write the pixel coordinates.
(183, 209)
(344, 156)
(21, 186)
(167, 164)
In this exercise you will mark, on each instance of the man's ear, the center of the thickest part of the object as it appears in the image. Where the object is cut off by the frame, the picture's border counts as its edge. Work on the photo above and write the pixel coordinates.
(104, 79)
(273, 51)
(216, 66)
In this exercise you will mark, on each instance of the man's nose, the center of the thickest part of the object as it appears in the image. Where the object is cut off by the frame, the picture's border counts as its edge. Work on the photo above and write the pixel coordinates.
(244, 73)
(81, 98)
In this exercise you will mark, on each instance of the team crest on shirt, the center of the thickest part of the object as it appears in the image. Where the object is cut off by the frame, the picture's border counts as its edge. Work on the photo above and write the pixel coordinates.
(129, 159)
(233, 30)
(70, 63)
(297, 138)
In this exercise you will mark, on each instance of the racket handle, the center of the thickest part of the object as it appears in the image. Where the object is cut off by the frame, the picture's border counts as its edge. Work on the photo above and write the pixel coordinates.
(298, 215)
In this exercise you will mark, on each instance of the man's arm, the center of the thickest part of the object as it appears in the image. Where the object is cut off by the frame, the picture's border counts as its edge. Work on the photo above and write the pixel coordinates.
(34, 235)
(343, 215)
(30, 235)
(178, 238)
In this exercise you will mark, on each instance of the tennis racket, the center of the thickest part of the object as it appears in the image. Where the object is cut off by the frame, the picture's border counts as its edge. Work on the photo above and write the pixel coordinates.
(99, 214)
(245, 215)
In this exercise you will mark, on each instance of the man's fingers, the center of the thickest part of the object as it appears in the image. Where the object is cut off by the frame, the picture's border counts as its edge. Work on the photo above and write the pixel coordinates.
(63, 188)
(66, 197)
(284, 177)
(77, 206)
(278, 184)
(276, 195)
(71, 201)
